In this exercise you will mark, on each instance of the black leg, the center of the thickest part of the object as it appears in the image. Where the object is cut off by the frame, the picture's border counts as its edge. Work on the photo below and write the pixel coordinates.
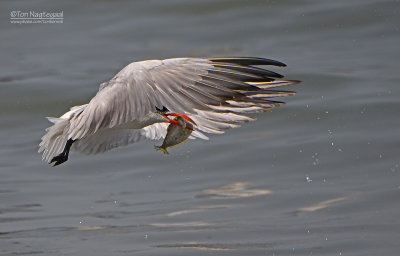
(63, 156)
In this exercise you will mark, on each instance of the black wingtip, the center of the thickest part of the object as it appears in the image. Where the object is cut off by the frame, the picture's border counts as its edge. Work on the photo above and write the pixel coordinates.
(293, 82)
(247, 61)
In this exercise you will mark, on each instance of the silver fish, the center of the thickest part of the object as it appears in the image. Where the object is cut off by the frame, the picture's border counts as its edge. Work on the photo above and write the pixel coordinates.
(176, 134)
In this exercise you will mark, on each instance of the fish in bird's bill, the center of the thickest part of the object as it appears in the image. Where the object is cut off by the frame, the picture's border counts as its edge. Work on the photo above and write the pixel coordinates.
(177, 133)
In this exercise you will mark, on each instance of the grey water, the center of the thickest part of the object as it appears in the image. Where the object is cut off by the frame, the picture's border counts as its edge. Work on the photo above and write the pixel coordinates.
(317, 176)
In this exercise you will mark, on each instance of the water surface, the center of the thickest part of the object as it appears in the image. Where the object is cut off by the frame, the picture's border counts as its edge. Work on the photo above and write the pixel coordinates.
(318, 176)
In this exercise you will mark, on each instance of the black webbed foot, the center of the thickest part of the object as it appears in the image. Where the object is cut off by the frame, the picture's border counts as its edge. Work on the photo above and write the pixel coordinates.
(59, 159)
(63, 156)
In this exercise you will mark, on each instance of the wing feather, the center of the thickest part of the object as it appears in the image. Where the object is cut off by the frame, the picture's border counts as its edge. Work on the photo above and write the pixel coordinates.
(215, 92)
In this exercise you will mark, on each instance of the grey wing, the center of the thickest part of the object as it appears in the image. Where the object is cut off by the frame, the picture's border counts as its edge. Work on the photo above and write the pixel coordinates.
(105, 140)
(217, 93)
(108, 139)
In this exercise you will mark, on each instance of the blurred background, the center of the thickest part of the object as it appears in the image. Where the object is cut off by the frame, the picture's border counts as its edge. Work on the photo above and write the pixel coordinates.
(317, 176)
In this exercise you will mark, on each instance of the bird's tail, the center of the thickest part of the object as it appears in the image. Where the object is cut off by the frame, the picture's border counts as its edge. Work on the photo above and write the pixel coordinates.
(53, 142)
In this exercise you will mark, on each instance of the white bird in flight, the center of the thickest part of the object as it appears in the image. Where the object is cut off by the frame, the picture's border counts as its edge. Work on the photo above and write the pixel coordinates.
(215, 94)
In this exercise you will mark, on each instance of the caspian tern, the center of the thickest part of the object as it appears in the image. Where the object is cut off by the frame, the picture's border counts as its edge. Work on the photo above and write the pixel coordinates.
(213, 93)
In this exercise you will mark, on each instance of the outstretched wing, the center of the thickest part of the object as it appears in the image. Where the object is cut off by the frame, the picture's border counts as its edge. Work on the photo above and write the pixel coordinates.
(216, 93)
(108, 139)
